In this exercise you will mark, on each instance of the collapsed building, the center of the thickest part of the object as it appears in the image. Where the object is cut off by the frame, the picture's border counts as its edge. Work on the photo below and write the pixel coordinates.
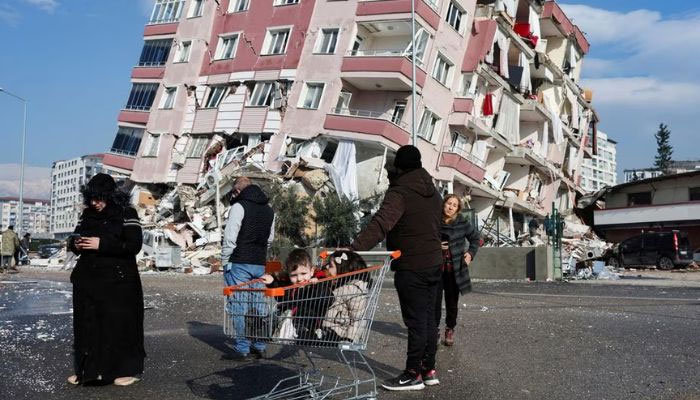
(321, 92)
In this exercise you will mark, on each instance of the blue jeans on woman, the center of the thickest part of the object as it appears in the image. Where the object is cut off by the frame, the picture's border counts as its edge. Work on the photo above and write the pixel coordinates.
(244, 304)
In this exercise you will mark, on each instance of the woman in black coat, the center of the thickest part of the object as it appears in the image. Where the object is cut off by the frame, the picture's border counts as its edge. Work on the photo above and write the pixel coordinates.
(107, 294)
(456, 232)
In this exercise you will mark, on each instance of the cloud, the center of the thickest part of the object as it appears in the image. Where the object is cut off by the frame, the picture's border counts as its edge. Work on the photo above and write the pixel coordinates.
(46, 5)
(645, 91)
(37, 181)
(9, 15)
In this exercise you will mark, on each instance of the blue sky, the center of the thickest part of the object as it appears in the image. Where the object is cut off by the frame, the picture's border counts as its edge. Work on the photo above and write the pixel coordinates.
(72, 60)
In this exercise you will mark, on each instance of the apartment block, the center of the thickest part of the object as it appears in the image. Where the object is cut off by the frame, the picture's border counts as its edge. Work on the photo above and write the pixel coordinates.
(67, 177)
(35, 215)
(675, 167)
(500, 117)
(601, 170)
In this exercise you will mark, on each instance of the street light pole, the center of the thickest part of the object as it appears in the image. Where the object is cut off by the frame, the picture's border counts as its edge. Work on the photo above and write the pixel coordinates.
(413, 72)
(20, 207)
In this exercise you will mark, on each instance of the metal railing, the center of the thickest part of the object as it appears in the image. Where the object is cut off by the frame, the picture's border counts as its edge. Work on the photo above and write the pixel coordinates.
(385, 116)
(464, 154)
(383, 53)
(166, 11)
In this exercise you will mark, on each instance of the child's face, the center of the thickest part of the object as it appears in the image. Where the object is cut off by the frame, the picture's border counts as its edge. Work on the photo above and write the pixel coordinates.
(303, 273)
(332, 269)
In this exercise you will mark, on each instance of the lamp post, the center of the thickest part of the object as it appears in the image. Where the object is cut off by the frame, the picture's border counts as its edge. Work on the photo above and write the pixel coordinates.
(20, 210)
(413, 72)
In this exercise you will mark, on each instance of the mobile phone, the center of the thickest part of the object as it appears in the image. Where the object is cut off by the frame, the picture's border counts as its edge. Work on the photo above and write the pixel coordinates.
(74, 236)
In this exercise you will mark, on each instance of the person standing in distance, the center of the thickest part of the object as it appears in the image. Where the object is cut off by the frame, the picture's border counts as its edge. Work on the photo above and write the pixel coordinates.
(410, 219)
(249, 231)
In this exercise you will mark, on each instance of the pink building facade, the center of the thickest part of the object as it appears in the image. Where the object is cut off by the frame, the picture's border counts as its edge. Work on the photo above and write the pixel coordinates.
(500, 116)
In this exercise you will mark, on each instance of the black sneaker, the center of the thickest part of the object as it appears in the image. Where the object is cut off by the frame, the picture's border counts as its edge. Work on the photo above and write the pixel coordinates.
(408, 380)
(258, 353)
(430, 378)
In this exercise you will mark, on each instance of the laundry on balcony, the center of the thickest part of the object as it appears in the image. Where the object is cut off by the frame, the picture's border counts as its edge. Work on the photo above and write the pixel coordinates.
(487, 107)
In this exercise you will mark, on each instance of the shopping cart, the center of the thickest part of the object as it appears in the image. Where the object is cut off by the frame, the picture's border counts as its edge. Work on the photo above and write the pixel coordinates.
(335, 312)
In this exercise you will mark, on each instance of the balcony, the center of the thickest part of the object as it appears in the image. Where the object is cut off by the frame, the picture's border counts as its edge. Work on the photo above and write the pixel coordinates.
(554, 22)
(525, 156)
(147, 72)
(367, 123)
(463, 162)
(426, 9)
(386, 70)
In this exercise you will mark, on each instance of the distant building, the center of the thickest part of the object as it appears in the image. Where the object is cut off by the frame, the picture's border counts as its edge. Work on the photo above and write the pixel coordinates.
(675, 167)
(662, 203)
(601, 170)
(35, 217)
(67, 177)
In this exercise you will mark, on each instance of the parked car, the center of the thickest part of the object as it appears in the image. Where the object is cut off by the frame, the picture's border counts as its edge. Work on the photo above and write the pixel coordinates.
(666, 250)
(47, 250)
(696, 256)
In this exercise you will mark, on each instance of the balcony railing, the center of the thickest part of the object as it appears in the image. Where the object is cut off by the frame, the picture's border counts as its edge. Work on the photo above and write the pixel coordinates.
(386, 116)
(467, 156)
(383, 53)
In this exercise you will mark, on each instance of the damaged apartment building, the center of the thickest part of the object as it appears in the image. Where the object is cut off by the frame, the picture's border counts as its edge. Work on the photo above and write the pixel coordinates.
(240, 87)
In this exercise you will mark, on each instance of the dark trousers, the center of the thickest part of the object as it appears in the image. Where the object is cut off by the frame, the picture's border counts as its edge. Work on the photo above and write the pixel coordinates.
(417, 292)
(448, 284)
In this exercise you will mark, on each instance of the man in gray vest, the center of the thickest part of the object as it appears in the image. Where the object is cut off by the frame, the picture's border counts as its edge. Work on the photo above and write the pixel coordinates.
(249, 231)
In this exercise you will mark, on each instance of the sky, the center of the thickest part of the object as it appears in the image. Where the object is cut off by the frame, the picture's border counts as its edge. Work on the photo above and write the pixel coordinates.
(72, 60)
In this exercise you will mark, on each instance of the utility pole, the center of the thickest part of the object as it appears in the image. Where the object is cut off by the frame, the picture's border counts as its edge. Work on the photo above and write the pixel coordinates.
(20, 210)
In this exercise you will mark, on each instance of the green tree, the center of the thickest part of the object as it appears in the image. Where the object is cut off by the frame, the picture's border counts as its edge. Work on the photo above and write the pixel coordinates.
(664, 150)
(336, 218)
(291, 212)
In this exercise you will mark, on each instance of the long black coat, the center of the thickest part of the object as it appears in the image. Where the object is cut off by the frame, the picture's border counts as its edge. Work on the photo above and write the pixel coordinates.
(107, 297)
(460, 233)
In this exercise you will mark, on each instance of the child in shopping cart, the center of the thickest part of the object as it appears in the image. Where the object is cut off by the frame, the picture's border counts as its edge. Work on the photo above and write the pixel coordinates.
(344, 319)
(308, 301)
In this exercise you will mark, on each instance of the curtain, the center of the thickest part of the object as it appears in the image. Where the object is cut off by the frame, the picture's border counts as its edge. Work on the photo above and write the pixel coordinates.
(544, 147)
(343, 170)
(525, 81)
(508, 123)
(557, 128)
(479, 150)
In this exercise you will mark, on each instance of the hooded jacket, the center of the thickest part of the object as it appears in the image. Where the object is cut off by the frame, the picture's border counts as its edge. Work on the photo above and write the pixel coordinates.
(410, 219)
(248, 229)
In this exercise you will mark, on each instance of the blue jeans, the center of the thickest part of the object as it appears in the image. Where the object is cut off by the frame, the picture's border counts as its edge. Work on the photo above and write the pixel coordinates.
(244, 304)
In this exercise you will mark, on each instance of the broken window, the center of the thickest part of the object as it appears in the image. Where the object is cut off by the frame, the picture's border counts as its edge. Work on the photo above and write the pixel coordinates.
(262, 94)
(399, 111)
(343, 101)
(196, 147)
(638, 199)
(152, 145)
(216, 94)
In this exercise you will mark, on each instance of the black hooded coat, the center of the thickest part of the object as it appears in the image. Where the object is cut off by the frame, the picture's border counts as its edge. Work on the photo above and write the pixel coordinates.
(107, 294)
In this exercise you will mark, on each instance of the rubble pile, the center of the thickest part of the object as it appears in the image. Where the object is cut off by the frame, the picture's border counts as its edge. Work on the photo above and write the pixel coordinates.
(580, 248)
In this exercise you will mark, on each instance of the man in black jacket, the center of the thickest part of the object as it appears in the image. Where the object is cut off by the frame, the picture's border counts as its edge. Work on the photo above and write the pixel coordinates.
(249, 231)
(409, 218)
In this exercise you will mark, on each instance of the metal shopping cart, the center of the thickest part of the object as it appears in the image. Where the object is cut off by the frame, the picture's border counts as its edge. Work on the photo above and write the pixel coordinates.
(334, 312)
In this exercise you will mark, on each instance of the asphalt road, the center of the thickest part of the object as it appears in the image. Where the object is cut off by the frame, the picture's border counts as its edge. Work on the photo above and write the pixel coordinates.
(515, 340)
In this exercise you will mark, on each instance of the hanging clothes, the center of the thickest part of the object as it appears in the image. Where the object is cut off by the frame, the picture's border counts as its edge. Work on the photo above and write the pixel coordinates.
(508, 123)
(487, 108)
(343, 170)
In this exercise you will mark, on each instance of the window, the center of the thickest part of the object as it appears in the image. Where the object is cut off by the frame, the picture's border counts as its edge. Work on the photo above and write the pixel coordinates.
(276, 41)
(227, 47)
(454, 17)
(343, 101)
(694, 193)
(152, 144)
(328, 41)
(312, 96)
(141, 96)
(168, 98)
(421, 45)
(183, 52)
(399, 111)
(238, 5)
(285, 2)
(638, 199)
(196, 8)
(443, 70)
(155, 53)
(459, 142)
(127, 141)
(165, 11)
(216, 94)
(196, 146)
(469, 85)
(262, 94)
(428, 124)
(356, 45)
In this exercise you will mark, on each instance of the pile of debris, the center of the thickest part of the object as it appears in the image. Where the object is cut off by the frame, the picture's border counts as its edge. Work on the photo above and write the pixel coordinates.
(582, 249)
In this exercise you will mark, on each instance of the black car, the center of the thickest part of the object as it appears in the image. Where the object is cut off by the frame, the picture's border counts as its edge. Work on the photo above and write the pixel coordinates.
(666, 250)
(47, 250)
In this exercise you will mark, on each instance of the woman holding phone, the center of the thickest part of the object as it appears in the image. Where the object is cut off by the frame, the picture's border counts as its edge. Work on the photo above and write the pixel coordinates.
(107, 294)
(457, 233)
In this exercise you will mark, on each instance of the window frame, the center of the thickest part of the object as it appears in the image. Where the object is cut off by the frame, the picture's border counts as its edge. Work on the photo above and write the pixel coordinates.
(210, 95)
(399, 109)
(430, 114)
(694, 192)
(184, 47)
(139, 96)
(153, 47)
(133, 140)
(196, 146)
(169, 96)
(637, 196)
(461, 21)
(318, 49)
(441, 60)
(267, 98)
(304, 97)
(220, 47)
(152, 145)
(282, 3)
(159, 5)
(198, 6)
(234, 6)
(344, 99)
(270, 39)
